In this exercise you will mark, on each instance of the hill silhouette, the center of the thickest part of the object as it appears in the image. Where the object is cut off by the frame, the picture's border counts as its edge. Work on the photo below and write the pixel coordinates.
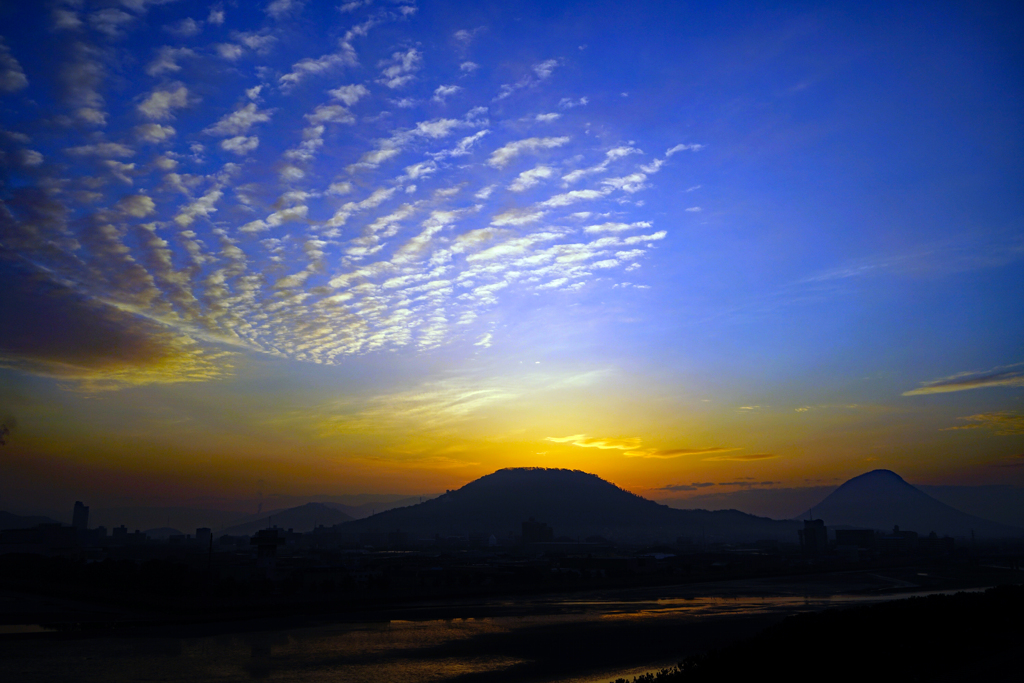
(9, 520)
(881, 499)
(363, 510)
(574, 504)
(302, 519)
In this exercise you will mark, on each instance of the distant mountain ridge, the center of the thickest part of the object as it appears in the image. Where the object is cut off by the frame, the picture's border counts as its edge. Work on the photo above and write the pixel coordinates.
(575, 504)
(302, 519)
(9, 520)
(881, 499)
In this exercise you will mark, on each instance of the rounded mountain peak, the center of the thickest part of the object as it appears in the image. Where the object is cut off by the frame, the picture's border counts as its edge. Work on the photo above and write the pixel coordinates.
(880, 474)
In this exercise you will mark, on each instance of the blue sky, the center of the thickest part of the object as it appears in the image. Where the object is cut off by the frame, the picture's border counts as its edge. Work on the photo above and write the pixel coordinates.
(393, 246)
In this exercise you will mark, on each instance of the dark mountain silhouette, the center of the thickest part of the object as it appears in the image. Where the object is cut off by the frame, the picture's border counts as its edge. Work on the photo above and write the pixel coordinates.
(881, 499)
(9, 520)
(302, 519)
(574, 504)
(364, 510)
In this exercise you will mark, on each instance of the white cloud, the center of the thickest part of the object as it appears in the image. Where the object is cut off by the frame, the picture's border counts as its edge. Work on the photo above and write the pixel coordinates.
(436, 128)
(634, 182)
(543, 71)
(79, 80)
(569, 103)
(165, 164)
(229, 51)
(517, 217)
(65, 19)
(462, 149)
(465, 36)
(203, 206)
(374, 158)
(354, 5)
(609, 156)
(571, 197)
(111, 21)
(278, 9)
(545, 68)
(240, 144)
(420, 170)
(137, 205)
(239, 121)
(257, 42)
(330, 113)
(119, 170)
(682, 148)
(186, 28)
(399, 69)
(616, 227)
(528, 179)
(444, 91)
(469, 67)
(501, 157)
(216, 16)
(154, 132)
(253, 227)
(311, 67)
(30, 157)
(485, 192)
(375, 199)
(694, 209)
(548, 118)
(289, 215)
(102, 149)
(167, 60)
(349, 94)
(159, 104)
(12, 77)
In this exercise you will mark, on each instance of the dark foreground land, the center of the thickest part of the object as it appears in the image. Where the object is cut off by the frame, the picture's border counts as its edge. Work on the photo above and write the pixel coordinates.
(961, 637)
(720, 630)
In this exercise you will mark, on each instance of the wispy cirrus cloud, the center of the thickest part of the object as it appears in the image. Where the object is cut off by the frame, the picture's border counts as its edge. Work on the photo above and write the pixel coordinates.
(1004, 423)
(439, 404)
(752, 457)
(1002, 376)
(632, 447)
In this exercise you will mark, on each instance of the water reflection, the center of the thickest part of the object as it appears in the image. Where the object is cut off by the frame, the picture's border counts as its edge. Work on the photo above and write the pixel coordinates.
(574, 640)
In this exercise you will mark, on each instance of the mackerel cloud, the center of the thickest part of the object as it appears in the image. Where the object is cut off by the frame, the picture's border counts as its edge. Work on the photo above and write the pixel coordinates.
(364, 196)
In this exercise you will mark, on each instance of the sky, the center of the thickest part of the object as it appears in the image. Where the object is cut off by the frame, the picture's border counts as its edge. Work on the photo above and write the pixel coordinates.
(295, 249)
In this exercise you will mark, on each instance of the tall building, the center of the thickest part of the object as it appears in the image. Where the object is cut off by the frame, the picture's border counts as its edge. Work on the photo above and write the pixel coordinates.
(813, 537)
(80, 519)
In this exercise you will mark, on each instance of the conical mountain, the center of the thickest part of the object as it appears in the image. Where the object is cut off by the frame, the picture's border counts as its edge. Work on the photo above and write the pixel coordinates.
(881, 499)
(575, 504)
